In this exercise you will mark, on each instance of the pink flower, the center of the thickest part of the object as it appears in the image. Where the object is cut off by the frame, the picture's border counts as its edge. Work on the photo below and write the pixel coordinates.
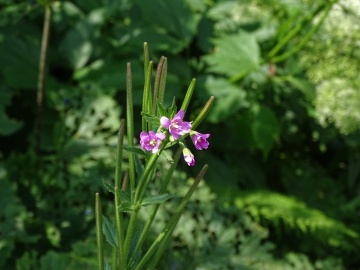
(177, 127)
(151, 141)
(189, 157)
(199, 140)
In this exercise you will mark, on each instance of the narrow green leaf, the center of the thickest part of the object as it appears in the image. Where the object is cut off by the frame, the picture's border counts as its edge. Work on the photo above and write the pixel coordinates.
(126, 207)
(108, 186)
(125, 204)
(161, 110)
(139, 167)
(152, 119)
(168, 158)
(173, 109)
(109, 232)
(188, 95)
(124, 196)
(156, 199)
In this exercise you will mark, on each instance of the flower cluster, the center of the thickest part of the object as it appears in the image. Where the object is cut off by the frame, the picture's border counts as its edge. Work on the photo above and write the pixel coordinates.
(177, 127)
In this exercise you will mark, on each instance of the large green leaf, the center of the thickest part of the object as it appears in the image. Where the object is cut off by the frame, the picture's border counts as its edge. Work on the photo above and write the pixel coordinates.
(19, 62)
(173, 16)
(234, 55)
(77, 46)
(265, 128)
(7, 125)
(53, 260)
(259, 128)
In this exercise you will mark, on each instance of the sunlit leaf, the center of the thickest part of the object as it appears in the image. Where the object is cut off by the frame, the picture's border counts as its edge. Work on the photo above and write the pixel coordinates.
(77, 45)
(235, 55)
(173, 16)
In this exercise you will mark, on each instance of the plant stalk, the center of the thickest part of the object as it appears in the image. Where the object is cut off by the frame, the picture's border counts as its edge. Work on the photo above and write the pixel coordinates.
(99, 233)
(159, 245)
(130, 127)
(41, 78)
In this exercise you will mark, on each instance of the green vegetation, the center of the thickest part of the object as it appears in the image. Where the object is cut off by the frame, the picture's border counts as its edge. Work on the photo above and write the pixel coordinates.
(282, 189)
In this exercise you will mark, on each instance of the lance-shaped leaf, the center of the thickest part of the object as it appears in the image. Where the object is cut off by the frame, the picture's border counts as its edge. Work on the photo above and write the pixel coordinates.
(109, 232)
(161, 110)
(139, 167)
(108, 186)
(156, 199)
(151, 119)
(125, 201)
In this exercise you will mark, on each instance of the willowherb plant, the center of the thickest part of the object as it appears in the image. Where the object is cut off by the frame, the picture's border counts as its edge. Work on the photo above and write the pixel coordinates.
(161, 128)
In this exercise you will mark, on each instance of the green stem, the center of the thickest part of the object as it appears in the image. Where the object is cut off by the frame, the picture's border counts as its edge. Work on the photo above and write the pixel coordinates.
(41, 78)
(203, 113)
(144, 181)
(150, 219)
(147, 102)
(118, 214)
(119, 152)
(114, 259)
(138, 198)
(119, 229)
(130, 127)
(162, 85)
(99, 233)
(188, 95)
(146, 58)
(157, 84)
(159, 244)
(130, 231)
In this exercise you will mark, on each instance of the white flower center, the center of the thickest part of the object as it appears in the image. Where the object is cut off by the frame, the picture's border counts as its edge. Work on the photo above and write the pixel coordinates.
(152, 142)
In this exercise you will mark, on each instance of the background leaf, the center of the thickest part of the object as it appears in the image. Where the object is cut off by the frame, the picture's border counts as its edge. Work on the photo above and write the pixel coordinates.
(234, 55)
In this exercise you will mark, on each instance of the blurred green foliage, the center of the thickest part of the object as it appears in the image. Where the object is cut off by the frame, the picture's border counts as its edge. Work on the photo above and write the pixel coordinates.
(283, 187)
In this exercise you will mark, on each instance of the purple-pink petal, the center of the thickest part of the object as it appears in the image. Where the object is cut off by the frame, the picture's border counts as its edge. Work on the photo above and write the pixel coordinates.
(151, 141)
(200, 140)
(188, 157)
(179, 116)
(143, 135)
(190, 160)
(176, 126)
(160, 135)
(165, 122)
(185, 127)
